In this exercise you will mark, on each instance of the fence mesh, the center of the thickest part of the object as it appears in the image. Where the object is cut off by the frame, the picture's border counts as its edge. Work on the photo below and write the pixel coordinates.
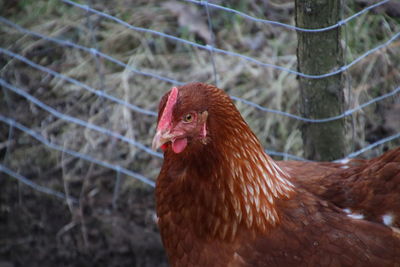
(81, 82)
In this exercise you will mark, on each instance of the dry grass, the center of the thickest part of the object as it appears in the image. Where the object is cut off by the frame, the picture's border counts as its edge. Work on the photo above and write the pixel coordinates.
(377, 74)
(265, 86)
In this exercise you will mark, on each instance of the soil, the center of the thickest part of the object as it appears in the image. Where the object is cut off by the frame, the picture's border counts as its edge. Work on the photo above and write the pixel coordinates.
(40, 230)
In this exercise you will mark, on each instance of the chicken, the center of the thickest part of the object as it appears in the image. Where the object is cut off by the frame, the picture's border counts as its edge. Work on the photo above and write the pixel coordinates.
(221, 201)
(368, 189)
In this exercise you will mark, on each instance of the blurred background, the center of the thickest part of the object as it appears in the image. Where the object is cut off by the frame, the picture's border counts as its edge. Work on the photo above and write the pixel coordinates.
(80, 84)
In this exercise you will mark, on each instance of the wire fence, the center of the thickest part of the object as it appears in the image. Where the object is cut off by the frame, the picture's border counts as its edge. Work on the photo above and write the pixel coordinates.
(211, 48)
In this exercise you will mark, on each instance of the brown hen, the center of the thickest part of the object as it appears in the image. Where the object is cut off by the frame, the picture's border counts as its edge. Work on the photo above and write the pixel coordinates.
(221, 201)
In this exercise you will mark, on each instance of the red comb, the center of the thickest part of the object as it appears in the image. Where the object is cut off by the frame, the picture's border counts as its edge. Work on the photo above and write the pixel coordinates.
(166, 116)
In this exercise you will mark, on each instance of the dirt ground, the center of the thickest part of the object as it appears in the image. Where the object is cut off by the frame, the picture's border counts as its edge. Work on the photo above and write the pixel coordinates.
(39, 230)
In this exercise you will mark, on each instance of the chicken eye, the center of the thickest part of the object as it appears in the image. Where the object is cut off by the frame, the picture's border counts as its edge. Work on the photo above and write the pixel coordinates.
(188, 118)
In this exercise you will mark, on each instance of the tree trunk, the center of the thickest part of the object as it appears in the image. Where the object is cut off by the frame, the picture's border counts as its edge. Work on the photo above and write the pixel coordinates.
(319, 53)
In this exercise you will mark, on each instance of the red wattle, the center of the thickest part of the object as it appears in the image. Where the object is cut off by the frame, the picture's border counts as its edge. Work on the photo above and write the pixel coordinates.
(164, 147)
(179, 145)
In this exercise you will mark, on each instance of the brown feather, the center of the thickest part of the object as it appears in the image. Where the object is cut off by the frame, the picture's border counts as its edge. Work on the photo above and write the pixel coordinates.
(367, 187)
(225, 202)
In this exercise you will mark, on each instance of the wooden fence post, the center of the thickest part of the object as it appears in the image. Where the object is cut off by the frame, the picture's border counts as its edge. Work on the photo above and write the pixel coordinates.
(319, 53)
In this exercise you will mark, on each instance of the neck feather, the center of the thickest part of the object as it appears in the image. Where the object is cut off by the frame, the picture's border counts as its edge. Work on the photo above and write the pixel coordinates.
(250, 180)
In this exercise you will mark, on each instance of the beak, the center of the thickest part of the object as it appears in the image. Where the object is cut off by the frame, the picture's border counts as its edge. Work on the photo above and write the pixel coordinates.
(161, 138)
